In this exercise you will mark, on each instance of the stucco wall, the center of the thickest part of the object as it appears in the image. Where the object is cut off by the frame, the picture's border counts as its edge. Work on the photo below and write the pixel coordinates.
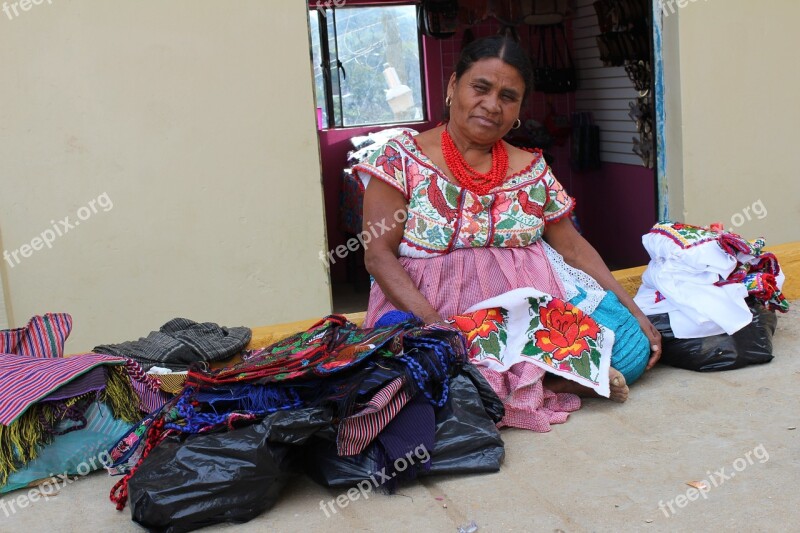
(194, 120)
(732, 151)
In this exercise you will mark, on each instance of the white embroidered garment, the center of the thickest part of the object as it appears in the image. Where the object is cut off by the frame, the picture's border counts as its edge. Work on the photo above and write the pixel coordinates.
(679, 280)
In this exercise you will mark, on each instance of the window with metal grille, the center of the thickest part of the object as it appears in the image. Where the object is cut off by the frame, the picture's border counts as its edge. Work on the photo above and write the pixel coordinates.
(367, 64)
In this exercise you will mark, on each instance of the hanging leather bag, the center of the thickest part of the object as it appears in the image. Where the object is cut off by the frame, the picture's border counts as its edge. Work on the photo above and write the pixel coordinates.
(438, 18)
(543, 12)
(553, 69)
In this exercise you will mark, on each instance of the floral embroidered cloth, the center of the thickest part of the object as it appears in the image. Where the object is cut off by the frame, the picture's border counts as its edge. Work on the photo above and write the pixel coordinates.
(526, 325)
(443, 216)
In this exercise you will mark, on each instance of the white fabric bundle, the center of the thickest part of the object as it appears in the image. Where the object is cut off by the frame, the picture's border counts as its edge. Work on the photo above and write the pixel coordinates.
(685, 277)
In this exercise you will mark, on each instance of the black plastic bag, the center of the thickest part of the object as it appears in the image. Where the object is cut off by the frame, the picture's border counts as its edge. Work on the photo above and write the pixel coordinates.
(491, 403)
(751, 345)
(467, 439)
(231, 476)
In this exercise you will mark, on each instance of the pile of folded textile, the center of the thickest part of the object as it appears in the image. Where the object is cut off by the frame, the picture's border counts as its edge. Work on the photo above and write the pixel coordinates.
(60, 415)
(166, 354)
(702, 278)
(712, 294)
(54, 410)
(338, 402)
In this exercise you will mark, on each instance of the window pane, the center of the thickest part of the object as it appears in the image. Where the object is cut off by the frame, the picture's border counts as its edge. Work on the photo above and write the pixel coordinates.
(379, 51)
(316, 61)
(336, 72)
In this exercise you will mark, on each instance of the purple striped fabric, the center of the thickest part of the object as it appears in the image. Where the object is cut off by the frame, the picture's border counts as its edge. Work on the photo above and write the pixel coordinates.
(414, 426)
(357, 431)
(149, 400)
(44, 336)
(151, 397)
(25, 380)
(91, 381)
(137, 373)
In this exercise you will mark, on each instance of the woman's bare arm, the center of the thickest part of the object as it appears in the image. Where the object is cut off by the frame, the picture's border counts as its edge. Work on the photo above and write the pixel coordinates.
(578, 253)
(382, 203)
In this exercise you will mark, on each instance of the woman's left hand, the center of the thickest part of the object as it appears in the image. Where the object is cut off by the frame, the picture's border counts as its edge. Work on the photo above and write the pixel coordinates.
(654, 337)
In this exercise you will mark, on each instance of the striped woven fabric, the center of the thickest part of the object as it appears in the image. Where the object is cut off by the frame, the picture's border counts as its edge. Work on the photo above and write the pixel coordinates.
(27, 380)
(357, 431)
(147, 387)
(44, 336)
(181, 342)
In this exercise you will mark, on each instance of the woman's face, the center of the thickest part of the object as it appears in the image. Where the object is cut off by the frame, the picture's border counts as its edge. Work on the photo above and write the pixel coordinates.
(486, 100)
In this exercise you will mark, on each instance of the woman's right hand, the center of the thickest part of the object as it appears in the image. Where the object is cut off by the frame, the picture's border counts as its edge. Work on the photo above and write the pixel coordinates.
(653, 337)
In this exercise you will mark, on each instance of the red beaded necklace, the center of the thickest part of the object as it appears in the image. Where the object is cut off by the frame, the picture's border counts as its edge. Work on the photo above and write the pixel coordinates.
(468, 177)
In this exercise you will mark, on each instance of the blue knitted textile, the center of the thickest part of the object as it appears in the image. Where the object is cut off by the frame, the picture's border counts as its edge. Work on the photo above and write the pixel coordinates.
(631, 348)
(390, 318)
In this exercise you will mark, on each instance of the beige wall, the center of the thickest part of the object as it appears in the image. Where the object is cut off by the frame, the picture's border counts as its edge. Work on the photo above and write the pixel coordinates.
(732, 129)
(196, 119)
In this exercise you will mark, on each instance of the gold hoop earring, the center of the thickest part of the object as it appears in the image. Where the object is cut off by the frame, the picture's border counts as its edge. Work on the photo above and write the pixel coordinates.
(517, 124)
(448, 101)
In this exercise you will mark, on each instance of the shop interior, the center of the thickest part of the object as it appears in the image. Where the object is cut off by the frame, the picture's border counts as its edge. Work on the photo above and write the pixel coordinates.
(384, 65)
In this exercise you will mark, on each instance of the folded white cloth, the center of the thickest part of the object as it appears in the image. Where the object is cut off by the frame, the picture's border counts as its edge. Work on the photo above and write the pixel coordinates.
(685, 278)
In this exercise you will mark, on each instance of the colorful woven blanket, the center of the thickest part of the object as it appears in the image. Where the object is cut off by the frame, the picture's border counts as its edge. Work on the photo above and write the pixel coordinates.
(331, 345)
(39, 393)
(27, 380)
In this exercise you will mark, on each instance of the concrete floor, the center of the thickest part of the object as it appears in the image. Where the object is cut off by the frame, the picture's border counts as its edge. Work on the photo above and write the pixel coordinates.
(606, 469)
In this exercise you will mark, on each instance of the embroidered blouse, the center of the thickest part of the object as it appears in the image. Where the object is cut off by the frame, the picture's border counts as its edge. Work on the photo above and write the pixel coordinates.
(443, 216)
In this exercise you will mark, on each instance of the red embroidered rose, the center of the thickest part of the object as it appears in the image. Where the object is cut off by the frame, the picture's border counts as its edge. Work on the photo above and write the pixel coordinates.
(566, 330)
(389, 160)
(478, 324)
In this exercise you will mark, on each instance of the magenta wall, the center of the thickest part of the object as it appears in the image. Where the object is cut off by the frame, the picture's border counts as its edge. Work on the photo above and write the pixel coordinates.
(616, 205)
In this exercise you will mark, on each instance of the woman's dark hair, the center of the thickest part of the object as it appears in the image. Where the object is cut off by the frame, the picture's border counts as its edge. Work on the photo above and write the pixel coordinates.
(500, 47)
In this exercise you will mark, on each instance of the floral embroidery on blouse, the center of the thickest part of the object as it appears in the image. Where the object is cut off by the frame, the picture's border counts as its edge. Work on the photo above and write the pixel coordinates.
(443, 216)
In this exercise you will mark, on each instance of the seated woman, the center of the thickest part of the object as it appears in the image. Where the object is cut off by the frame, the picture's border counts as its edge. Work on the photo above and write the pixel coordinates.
(476, 212)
